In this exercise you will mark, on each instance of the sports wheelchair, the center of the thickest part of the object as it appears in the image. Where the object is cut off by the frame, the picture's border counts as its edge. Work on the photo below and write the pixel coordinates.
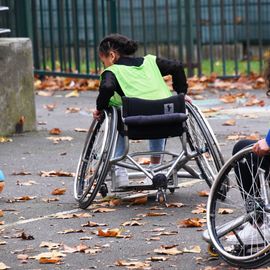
(198, 155)
(238, 223)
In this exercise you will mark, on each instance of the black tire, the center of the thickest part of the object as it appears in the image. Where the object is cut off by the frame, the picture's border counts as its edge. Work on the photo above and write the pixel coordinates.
(94, 161)
(247, 209)
(201, 138)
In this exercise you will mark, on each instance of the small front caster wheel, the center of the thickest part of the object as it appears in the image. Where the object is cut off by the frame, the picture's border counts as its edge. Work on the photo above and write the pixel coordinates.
(161, 197)
(172, 190)
(103, 190)
(212, 251)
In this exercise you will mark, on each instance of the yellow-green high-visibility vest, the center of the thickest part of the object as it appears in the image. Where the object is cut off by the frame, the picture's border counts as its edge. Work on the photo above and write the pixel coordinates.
(144, 81)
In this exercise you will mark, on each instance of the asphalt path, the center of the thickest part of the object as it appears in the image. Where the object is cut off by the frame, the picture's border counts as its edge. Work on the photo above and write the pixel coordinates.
(39, 217)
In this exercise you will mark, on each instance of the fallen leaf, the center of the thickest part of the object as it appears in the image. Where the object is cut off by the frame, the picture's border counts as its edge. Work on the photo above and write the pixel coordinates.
(56, 173)
(68, 249)
(109, 232)
(230, 122)
(49, 255)
(24, 236)
(2, 243)
(2, 222)
(144, 161)
(49, 107)
(191, 222)
(139, 200)
(48, 200)
(156, 214)
(158, 258)
(22, 257)
(156, 208)
(212, 110)
(103, 210)
(59, 191)
(203, 193)
(235, 137)
(195, 249)
(158, 230)
(5, 139)
(72, 110)
(253, 136)
(54, 260)
(68, 231)
(154, 238)
(254, 101)
(92, 251)
(94, 224)
(80, 129)
(74, 93)
(86, 238)
(50, 245)
(132, 265)
(27, 183)
(1, 213)
(166, 233)
(132, 223)
(45, 93)
(21, 173)
(55, 131)
(59, 139)
(174, 205)
(115, 202)
(224, 211)
(68, 216)
(24, 198)
(3, 266)
(199, 210)
(168, 251)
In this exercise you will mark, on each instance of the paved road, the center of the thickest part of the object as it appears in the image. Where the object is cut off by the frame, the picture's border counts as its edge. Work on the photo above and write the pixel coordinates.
(33, 152)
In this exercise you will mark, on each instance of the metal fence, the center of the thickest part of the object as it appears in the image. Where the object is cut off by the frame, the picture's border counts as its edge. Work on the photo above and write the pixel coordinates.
(228, 37)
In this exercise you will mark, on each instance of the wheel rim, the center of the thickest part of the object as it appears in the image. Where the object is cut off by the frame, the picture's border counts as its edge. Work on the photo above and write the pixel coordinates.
(247, 208)
(89, 167)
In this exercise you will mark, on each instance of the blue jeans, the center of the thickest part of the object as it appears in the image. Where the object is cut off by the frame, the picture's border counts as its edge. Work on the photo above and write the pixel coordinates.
(154, 145)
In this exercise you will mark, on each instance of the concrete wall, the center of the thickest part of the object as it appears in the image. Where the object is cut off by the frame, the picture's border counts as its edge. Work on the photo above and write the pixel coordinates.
(17, 98)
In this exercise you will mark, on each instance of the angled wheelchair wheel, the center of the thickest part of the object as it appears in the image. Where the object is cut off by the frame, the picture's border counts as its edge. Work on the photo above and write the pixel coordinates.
(239, 226)
(94, 161)
(201, 138)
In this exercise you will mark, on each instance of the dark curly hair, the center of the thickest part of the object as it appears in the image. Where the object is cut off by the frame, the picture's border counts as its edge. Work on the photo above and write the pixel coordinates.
(118, 43)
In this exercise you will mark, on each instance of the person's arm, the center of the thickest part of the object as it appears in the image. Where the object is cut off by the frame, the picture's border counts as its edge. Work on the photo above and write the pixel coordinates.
(108, 85)
(262, 147)
(176, 70)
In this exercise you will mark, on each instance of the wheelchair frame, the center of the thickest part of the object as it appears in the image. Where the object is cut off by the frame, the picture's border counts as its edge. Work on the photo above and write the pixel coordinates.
(191, 150)
(256, 207)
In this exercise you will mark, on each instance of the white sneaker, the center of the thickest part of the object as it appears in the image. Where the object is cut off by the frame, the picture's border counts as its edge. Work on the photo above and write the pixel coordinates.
(121, 177)
(250, 235)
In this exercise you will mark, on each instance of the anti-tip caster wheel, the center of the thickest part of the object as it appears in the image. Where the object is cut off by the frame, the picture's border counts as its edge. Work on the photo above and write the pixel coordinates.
(161, 197)
(212, 251)
(103, 190)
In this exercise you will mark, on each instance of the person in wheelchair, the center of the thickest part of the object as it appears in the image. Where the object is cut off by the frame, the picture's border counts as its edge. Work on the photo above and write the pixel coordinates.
(139, 77)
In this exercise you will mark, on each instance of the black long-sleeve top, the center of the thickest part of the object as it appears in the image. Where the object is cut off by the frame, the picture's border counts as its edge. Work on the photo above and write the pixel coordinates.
(109, 83)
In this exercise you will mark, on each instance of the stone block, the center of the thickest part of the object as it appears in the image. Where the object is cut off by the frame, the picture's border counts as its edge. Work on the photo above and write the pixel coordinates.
(17, 98)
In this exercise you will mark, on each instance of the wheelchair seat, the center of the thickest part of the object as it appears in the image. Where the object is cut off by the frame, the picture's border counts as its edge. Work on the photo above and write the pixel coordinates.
(154, 119)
